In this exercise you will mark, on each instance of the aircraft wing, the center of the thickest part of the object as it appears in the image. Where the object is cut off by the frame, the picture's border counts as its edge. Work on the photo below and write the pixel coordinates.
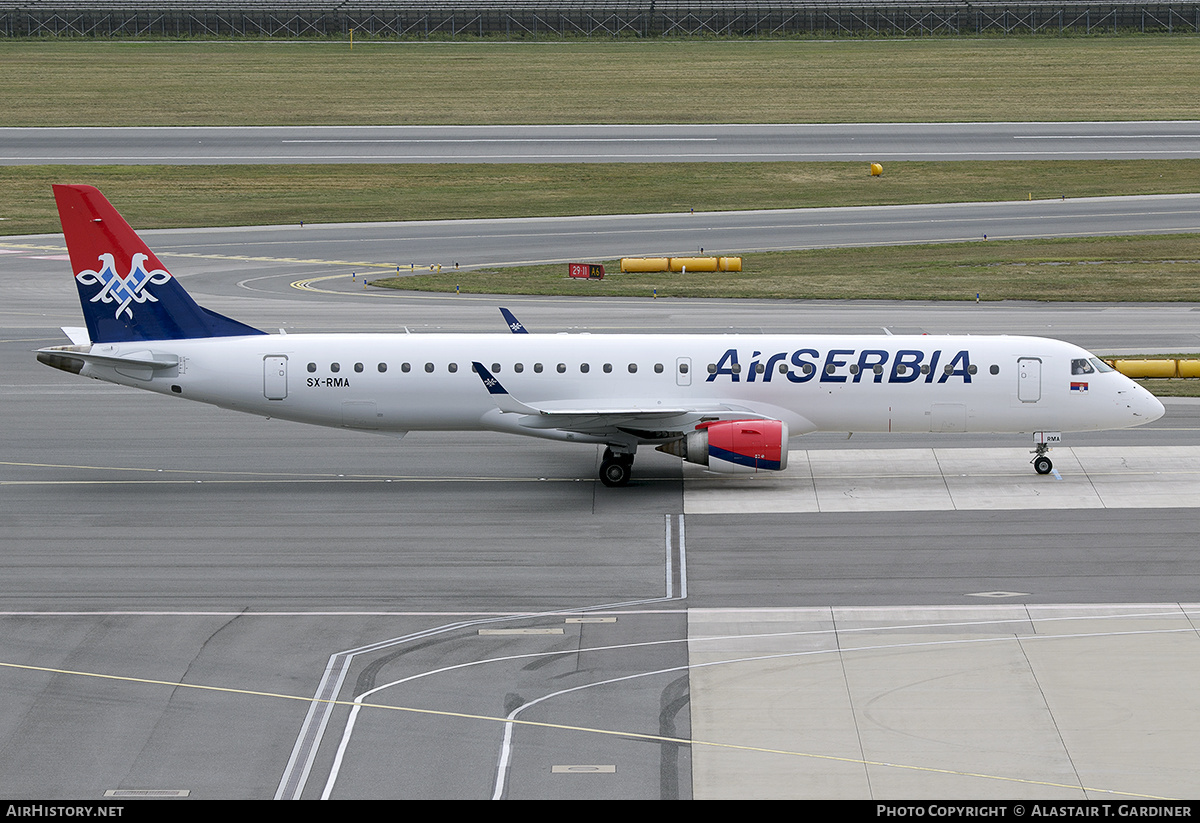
(648, 420)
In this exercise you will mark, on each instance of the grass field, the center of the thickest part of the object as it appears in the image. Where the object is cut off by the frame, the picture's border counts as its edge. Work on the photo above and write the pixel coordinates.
(1172, 388)
(1154, 268)
(186, 196)
(125, 83)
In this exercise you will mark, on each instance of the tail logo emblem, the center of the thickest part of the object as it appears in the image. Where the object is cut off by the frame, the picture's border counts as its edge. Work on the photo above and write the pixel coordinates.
(123, 290)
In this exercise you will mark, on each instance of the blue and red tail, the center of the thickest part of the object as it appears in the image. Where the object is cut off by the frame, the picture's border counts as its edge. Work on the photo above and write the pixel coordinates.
(126, 291)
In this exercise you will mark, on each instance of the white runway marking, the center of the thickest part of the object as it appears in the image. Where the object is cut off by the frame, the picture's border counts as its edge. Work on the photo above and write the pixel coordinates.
(954, 479)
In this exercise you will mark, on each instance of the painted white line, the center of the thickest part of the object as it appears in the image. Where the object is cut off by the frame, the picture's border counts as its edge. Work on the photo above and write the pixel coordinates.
(955, 479)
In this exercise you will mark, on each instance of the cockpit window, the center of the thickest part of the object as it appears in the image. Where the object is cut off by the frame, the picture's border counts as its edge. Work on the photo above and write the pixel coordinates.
(1100, 365)
(1082, 366)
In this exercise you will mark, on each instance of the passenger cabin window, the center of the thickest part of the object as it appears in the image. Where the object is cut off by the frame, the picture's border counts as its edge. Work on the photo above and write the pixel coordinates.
(358, 367)
(312, 367)
(382, 368)
(335, 368)
(405, 367)
(608, 368)
(658, 368)
(562, 368)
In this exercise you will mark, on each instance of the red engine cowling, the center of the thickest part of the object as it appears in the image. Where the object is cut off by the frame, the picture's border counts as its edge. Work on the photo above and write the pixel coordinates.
(735, 446)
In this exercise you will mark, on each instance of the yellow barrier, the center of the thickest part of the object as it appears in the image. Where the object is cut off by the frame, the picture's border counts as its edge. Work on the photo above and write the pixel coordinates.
(1161, 368)
(1146, 368)
(644, 264)
(693, 264)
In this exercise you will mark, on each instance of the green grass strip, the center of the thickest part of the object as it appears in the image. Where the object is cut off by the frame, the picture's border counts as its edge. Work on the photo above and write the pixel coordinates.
(1153, 268)
(192, 196)
(74, 82)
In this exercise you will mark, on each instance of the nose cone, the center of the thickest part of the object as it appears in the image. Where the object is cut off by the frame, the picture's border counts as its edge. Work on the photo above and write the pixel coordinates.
(1145, 407)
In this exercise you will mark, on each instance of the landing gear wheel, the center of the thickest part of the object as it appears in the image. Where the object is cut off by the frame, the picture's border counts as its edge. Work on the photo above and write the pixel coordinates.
(615, 469)
(1042, 464)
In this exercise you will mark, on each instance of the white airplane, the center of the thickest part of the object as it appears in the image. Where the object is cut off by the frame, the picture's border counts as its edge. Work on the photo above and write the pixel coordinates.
(728, 402)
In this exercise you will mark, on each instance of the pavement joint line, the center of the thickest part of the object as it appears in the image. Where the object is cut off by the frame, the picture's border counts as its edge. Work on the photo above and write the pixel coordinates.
(564, 727)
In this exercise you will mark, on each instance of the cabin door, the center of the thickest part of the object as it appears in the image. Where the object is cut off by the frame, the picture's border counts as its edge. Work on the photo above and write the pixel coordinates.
(1029, 379)
(275, 376)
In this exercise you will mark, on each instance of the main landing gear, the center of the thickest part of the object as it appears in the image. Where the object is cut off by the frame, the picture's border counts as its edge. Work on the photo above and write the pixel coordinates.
(615, 468)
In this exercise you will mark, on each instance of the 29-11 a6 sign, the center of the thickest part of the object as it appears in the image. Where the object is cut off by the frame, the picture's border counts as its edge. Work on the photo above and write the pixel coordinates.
(591, 271)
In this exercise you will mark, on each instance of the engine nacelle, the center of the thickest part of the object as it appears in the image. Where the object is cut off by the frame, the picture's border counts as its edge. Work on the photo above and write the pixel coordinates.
(735, 446)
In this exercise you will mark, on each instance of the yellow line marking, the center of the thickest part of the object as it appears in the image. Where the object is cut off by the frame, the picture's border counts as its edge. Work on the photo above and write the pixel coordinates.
(569, 728)
(318, 480)
(239, 257)
(306, 284)
(31, 247)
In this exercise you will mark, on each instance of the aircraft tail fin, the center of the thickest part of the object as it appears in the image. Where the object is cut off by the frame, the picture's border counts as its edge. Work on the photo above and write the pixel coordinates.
(126, 291)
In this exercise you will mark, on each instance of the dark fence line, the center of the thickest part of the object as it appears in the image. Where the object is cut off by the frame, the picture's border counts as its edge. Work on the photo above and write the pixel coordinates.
(475, 18)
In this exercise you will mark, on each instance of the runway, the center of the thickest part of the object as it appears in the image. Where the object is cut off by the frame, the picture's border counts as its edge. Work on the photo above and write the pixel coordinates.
(181, 582)
(291, 253)
(610, 143)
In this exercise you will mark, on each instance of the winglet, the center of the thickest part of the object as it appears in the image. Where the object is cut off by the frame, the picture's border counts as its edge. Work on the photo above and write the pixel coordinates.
(513, 323)
(503, 400)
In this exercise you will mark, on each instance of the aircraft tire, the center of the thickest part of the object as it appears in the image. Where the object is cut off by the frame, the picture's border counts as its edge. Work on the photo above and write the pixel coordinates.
(1042, 465)
(615, 472)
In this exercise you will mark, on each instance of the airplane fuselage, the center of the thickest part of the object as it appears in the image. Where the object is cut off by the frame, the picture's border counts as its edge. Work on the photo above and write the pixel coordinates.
(884, 383)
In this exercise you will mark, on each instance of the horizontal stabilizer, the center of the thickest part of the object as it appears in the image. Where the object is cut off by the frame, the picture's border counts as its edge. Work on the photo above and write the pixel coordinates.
(139, 364)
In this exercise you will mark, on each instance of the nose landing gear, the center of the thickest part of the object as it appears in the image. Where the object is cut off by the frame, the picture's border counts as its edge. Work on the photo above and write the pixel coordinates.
(1041, 445)
(1042, 464)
